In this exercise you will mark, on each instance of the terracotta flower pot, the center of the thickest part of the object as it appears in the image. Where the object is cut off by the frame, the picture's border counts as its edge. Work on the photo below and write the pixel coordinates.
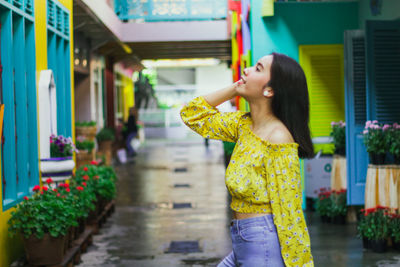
(45, 251)
(89, 132)
(106, 149)
(84, 157)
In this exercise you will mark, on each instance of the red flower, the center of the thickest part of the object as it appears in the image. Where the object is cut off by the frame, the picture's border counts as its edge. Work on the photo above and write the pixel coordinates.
(85, 169)
(67, 189)
(36, 188)
(26, 198)
(84, 184)
(58, 194)
(55, 190)
(79, 188)
(93, 162)
(85, 177)
(96, 177)
(45, 188)
(49, 181)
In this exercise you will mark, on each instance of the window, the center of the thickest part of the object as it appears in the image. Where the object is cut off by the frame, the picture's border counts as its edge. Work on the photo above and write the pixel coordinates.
(58, 56)
(18, 84)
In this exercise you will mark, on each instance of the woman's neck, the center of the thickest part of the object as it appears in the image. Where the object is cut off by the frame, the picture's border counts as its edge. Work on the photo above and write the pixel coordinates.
(261, 114)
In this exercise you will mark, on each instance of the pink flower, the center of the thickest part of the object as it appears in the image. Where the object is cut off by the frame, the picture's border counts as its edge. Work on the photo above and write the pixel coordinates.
(386, 127)
(58, 194)
(67, 189)
(333, 123)
(375, 121)
(368, 124)
(365, 132)
(49, 181)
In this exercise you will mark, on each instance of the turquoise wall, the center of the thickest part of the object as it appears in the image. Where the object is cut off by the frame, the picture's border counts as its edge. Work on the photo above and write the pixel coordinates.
(297, 24)
(390, 10)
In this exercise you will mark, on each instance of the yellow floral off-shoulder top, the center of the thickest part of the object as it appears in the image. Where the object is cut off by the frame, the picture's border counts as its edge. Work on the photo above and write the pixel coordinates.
(261, 177)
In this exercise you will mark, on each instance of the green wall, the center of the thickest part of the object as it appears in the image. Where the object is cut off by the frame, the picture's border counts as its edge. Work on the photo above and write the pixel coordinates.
(297, 24)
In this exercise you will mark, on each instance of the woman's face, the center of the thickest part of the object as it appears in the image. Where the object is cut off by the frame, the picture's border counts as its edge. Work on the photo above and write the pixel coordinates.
(254, 79)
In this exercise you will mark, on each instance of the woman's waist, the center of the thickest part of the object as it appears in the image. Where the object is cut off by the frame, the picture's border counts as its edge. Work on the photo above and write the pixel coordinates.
(240, 215)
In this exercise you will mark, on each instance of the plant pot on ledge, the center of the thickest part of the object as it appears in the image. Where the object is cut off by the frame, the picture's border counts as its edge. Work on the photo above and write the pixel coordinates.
(59, 169)
(45, 251)
(89, 132)
(84, 157)
(377, 159)
(105, 139)
(378, 246)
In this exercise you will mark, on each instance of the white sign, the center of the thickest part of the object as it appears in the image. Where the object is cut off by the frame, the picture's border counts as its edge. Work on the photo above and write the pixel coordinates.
(318, 174)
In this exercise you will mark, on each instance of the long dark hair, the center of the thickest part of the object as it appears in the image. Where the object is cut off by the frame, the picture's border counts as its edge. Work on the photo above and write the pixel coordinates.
(290, 103)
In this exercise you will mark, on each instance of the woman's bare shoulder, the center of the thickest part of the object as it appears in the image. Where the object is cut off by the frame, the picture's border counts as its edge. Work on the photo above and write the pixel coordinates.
(280, 135)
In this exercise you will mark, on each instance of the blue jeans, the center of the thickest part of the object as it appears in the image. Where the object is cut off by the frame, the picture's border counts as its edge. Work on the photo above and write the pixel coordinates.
(255, 243)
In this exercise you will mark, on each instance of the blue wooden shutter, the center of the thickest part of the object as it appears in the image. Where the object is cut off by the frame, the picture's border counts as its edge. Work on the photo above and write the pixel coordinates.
(383, 70)
(356, 113)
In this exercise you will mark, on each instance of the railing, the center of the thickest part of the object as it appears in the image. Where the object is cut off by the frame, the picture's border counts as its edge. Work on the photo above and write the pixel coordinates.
(171, 10)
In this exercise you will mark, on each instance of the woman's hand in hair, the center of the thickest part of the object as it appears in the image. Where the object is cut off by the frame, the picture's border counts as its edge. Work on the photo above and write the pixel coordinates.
(218, 97)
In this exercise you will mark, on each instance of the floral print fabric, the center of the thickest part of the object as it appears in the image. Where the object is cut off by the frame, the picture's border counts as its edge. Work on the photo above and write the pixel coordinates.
(261, 177)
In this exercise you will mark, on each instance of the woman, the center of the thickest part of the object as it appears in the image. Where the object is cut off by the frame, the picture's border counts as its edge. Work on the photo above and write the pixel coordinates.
(263, 175)
(132, 131)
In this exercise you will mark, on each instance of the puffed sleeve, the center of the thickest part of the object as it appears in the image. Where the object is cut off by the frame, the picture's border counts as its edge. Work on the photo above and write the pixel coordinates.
(284, 189)
(209, 122)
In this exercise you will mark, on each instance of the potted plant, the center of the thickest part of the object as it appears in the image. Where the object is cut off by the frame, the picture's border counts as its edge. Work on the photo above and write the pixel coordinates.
(338, 134)
(374, 227)
(43, 220)
(394, 228)
(362, 227)
(60, 164)
(102, 179)
(374, 136)
(324, 204)
(105, 139)
(86, 129)
(85, 151)
(339, 206)
(393, 142)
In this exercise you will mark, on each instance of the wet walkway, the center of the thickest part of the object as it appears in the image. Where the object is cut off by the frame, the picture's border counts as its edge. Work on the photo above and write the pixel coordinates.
(152, 211)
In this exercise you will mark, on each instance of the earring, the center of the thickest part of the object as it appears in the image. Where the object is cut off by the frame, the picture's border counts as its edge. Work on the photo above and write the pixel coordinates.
(266, 93)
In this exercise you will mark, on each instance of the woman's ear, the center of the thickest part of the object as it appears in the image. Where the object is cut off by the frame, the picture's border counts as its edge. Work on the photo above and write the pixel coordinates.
(268, 92)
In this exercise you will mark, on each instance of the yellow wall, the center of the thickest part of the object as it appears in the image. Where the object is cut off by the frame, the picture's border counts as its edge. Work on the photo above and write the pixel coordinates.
(11, 249)
(128, 95)
(323, 67)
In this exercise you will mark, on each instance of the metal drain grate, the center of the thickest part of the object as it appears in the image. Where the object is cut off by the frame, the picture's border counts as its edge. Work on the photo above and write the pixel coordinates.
(182, 206)
(183, 247)
(180, 170)
(181, 185)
